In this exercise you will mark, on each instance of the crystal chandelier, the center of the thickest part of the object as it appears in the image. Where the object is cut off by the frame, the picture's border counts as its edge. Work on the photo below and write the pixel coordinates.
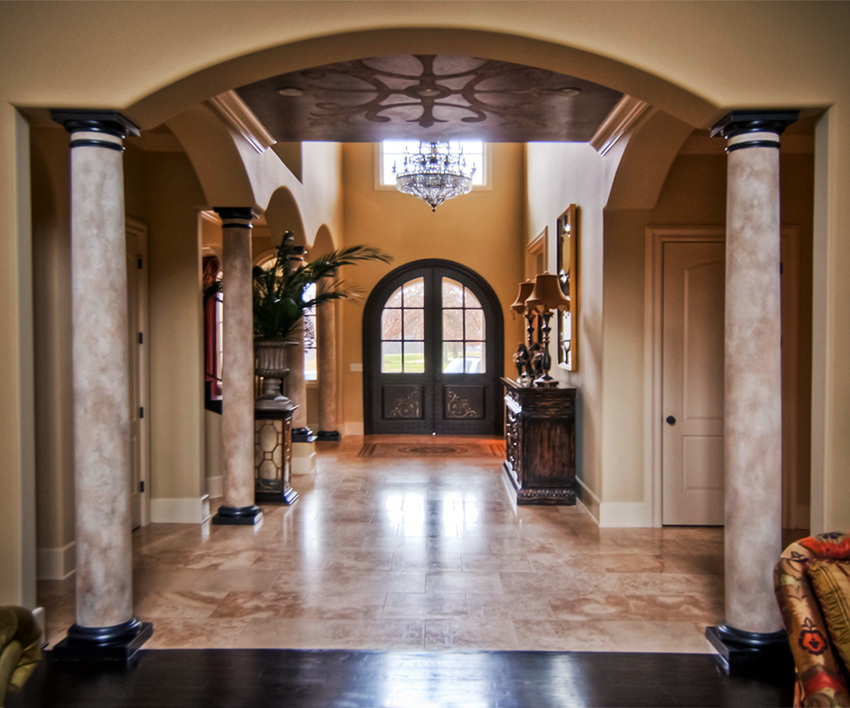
(434, 173)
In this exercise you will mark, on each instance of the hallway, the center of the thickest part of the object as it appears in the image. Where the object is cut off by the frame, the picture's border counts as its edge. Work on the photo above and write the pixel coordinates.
(401, 552)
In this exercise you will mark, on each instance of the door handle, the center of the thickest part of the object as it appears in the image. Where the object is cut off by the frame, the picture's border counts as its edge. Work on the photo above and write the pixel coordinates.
(671, 420)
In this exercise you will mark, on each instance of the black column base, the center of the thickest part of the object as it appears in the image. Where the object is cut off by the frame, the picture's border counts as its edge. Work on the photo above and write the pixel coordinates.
(96, 644)
(303, 435)
(326, 435)
(751, 653)
(238, 516)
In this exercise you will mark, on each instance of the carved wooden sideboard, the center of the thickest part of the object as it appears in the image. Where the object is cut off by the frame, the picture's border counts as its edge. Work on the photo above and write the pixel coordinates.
(540, 443)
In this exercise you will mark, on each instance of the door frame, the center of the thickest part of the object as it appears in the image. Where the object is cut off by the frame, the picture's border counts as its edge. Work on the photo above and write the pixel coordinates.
(656, 237)
(371, 318)
(138, 230)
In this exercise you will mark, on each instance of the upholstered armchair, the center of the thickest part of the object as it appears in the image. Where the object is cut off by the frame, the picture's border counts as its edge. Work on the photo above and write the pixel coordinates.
(20, 648)
(812, 588)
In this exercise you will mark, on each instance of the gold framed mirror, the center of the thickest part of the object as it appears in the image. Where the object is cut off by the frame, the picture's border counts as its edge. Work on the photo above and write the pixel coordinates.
(568, 274)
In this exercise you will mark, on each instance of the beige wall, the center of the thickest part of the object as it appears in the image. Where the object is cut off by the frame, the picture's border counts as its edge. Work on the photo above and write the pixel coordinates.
(172, 196)
(52, 337)
(482, 230)
(560, 175)
(17, 415)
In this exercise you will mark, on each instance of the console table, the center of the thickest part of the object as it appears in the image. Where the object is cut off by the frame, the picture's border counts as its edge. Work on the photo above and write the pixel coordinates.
(540, 443)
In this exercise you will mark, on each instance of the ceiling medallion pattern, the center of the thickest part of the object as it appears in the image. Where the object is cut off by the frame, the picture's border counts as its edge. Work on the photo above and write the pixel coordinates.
(461, 95)
(428, 98)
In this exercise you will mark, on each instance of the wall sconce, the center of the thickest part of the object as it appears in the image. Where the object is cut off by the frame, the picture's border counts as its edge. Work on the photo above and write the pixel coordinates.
(546, 297)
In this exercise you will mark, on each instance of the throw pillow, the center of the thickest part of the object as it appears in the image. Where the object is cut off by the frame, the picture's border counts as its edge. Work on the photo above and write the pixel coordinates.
(831, 584)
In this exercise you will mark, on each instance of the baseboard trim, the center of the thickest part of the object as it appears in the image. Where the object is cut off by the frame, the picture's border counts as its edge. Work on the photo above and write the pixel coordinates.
(215, 487)
(189, 510)
(633, 515)
(303, 458)
(587, 499)
(57, 563)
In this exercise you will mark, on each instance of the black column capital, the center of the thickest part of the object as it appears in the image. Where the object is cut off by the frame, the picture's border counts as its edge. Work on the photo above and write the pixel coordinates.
(109, 122)
(741, 122)
(229, 215)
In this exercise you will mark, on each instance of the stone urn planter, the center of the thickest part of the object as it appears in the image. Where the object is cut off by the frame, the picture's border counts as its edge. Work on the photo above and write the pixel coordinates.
(271, 359)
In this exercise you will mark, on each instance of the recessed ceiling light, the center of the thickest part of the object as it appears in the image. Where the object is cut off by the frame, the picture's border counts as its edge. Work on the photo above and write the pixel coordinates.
(291, 92)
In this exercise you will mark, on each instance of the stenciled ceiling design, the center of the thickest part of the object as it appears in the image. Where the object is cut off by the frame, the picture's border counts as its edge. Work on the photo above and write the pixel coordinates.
(428, 97)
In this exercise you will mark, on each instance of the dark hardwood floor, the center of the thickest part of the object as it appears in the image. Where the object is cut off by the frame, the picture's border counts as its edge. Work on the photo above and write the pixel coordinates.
(248, 678)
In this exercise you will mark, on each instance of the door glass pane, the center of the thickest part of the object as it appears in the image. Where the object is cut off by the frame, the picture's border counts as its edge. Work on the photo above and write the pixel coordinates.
(403, 330)
(414, 357)
(391, 324)
(414, 293)
(452, 357)
(464, 330)
(474, 324)
(414, 324)
(391, 357)
(452, 293)
(474, 358)
(452, 324)
(394, 300)
(471, 300)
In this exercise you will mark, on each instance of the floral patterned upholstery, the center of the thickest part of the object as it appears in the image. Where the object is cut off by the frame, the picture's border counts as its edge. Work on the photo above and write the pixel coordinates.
(821, 676)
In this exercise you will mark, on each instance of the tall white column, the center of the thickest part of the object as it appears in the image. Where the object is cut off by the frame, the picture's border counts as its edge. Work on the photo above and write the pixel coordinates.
(326, 364)
(752, 632)
(237, 385)
(105, 627)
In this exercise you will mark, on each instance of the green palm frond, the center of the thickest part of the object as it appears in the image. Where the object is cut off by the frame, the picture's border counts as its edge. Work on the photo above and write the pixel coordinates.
(279, 303)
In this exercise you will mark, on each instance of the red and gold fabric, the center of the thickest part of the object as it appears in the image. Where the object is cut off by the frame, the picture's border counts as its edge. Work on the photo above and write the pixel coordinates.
(821, 673)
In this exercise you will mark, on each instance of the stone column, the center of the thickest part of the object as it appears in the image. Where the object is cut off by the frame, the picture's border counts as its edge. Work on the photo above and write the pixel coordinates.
(105, 627)
(297, 389)
(752, 634)
(237, 385)
(326, 363)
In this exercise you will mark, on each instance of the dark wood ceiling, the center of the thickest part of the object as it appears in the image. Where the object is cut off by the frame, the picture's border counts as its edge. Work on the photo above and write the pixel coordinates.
(425, 97)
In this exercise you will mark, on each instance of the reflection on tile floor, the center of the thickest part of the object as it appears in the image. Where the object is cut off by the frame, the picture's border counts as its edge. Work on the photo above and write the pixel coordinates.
(389, 553)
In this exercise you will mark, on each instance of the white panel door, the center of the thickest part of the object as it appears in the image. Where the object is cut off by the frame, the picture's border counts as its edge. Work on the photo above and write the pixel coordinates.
(692, 395)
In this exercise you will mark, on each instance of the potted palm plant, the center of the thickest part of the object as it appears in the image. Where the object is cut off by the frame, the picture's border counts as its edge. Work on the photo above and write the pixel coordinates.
(279, 300)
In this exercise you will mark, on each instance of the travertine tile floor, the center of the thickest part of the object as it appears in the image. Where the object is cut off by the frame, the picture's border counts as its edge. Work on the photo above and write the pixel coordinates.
(419, 553)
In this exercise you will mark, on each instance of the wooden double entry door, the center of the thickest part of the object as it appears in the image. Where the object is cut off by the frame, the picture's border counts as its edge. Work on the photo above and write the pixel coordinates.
(433, 352)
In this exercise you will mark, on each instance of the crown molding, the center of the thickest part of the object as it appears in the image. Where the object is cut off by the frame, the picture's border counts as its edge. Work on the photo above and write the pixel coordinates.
(622, 117)
(236, 112)
(210, 216)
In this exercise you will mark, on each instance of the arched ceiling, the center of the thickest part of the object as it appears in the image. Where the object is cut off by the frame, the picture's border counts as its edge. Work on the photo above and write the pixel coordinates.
(429, 97)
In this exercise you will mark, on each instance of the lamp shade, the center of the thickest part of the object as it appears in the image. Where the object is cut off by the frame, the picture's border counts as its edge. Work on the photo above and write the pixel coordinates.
(547, 294)
(524, 291)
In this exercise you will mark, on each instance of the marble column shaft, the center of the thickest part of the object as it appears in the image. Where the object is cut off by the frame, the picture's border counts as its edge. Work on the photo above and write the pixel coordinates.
(104, 584)
(326, 363)
(237, 364)
(753, 405)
